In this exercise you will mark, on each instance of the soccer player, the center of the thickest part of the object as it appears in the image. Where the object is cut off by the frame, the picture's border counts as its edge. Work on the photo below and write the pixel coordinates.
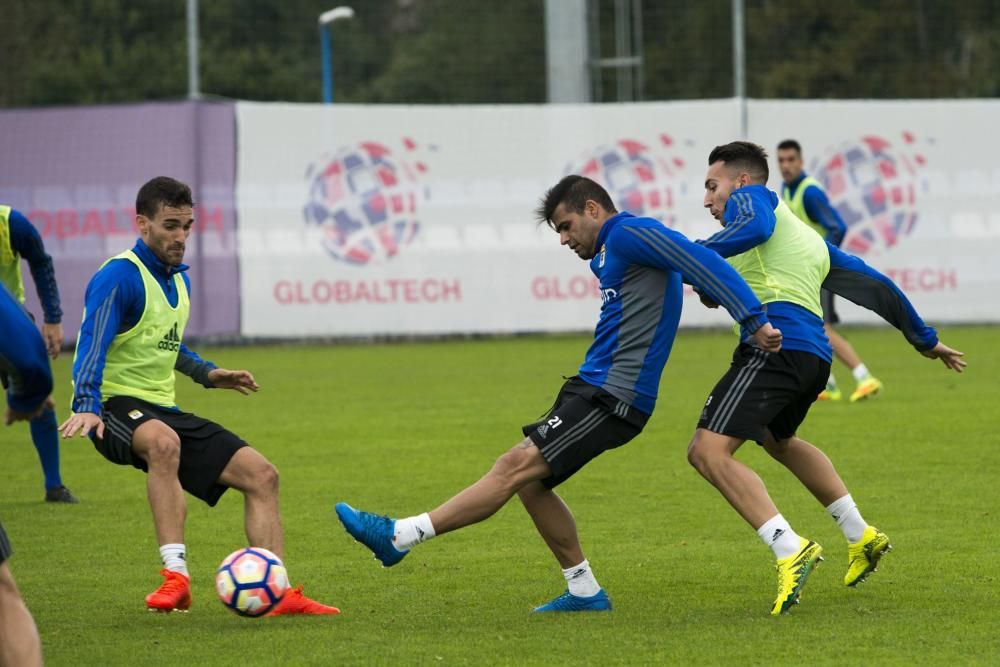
(131, 341)
(640, 264)
(765, 395)
(19, 238)
(28, 378)
(807, 200)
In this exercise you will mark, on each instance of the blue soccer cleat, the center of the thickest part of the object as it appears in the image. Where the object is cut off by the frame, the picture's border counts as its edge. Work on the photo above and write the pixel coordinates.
(569, 602)
(373, 531)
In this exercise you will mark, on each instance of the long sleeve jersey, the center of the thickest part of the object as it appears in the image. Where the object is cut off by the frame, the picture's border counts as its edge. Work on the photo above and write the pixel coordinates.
(640, 264)
(114, 302)
(820, 210)
(749, 221)
(24, 364)
(26, 242)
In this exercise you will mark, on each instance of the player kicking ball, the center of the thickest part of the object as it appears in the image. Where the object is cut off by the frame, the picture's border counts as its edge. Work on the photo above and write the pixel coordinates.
(131, 341)
(640, 264)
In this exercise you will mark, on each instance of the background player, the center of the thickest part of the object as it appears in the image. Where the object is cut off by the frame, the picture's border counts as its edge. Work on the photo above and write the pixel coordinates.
(808, 201)
(19, 239)
(131, 340)
(640, 264)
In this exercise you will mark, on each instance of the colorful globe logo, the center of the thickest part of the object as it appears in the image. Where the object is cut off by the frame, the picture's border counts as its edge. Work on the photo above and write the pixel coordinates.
(874, 185)
(640, 179)
(365, 201)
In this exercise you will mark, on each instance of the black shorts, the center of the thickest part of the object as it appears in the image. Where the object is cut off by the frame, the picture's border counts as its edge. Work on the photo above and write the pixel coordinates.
(206, 447)
(764, 391)
(584, 422)
(830, 315)
(5, 550)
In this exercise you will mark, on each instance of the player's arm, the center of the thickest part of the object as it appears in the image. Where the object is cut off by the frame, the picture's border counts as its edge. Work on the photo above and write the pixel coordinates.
(853, 279)
(25, 241)
(114, 301)
(666, 249)
(820, 211)
(23, 363)
(749, 219)
(190, 364)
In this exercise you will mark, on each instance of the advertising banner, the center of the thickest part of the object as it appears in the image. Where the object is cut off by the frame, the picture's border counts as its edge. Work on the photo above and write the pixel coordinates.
(75, 174)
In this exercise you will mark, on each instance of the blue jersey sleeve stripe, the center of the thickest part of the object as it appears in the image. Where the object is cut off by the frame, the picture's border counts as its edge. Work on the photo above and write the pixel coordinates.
(91, 372)
(689, 266)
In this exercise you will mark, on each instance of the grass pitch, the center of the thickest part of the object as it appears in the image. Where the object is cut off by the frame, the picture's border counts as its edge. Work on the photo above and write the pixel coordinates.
(399, 428)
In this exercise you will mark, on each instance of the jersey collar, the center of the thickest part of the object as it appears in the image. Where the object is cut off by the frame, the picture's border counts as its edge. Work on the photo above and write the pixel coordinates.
(609, 224)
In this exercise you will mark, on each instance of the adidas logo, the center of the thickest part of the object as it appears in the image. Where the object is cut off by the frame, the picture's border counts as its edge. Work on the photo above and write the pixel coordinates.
(543, 430)
(171, 341)
(777, 533)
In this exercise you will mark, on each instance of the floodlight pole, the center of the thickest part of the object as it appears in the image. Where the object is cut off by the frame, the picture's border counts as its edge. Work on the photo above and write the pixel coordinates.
(740, 64)
(192, 44)
(326, 52)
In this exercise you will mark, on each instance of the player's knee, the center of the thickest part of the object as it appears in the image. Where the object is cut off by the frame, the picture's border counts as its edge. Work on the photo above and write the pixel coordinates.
(164, 449)
(266, 476)
(509, 469)
(701, 456)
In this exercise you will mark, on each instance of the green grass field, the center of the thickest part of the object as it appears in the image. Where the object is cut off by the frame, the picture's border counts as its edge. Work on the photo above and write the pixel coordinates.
(399, 428)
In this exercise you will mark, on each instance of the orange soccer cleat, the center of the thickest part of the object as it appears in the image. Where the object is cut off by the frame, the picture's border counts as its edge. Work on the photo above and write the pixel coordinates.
(174, 594)
(295, 602)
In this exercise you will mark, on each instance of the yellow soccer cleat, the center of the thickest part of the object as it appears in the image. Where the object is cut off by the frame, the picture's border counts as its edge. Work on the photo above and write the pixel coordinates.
(792, 574)
(867, 388)
(831, 393)
(863, 556)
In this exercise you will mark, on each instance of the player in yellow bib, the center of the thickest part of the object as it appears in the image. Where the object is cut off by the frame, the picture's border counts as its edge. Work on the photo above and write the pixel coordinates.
(807, 200)
(131, 341)
(765, 396)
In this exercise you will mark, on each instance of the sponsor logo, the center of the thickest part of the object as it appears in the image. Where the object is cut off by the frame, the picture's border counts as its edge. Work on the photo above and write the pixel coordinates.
(608, 294)
(874, 183)
(641, 177)
(543, 430)
(171, 341)
(364, 198)
(777, 533)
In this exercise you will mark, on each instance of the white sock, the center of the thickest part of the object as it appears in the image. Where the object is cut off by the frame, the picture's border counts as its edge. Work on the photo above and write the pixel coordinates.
(845, 512)
(831, 382)
(174, 558)
(778, 535)
(581, 581)
(860, 372)
(412, 531)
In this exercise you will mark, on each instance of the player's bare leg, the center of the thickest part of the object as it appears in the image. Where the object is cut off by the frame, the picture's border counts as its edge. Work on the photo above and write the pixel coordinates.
(554, 521)
(712, 455)
(810, 465)
(21, 646)
(518, 466)
(160, 447)
(257, 479)
(841, 347)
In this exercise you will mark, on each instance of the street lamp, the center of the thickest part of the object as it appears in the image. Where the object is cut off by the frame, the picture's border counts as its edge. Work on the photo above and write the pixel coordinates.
(325, 19)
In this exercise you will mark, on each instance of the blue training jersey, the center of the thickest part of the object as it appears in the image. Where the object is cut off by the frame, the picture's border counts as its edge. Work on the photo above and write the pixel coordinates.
(641, 264)
(114, 302)
(26, 242)
(748, 221)
(24, 362)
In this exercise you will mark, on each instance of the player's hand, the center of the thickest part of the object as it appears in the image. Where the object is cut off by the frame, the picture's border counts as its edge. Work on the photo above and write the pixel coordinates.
(10, 415)
(82, 423)
(768, 338)
(949, 357)
(53, 335)
(241, 381)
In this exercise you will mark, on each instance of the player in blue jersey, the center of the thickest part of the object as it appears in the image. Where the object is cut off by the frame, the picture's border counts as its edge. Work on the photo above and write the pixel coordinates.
(20, 240)
(27, 376)
(808, 201)
(131, 342)
(766, 395)
(640, 264)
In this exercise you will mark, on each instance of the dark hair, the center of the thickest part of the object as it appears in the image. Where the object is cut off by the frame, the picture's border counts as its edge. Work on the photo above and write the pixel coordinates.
(790, 144)
(744, 156)
(162, 190)
(573, 191)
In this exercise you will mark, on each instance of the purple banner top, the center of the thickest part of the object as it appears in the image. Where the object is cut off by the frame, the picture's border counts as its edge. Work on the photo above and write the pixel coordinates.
(75, 173)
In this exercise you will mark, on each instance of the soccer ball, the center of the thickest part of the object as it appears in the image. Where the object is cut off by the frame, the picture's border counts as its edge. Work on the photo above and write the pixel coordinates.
(251, 581)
